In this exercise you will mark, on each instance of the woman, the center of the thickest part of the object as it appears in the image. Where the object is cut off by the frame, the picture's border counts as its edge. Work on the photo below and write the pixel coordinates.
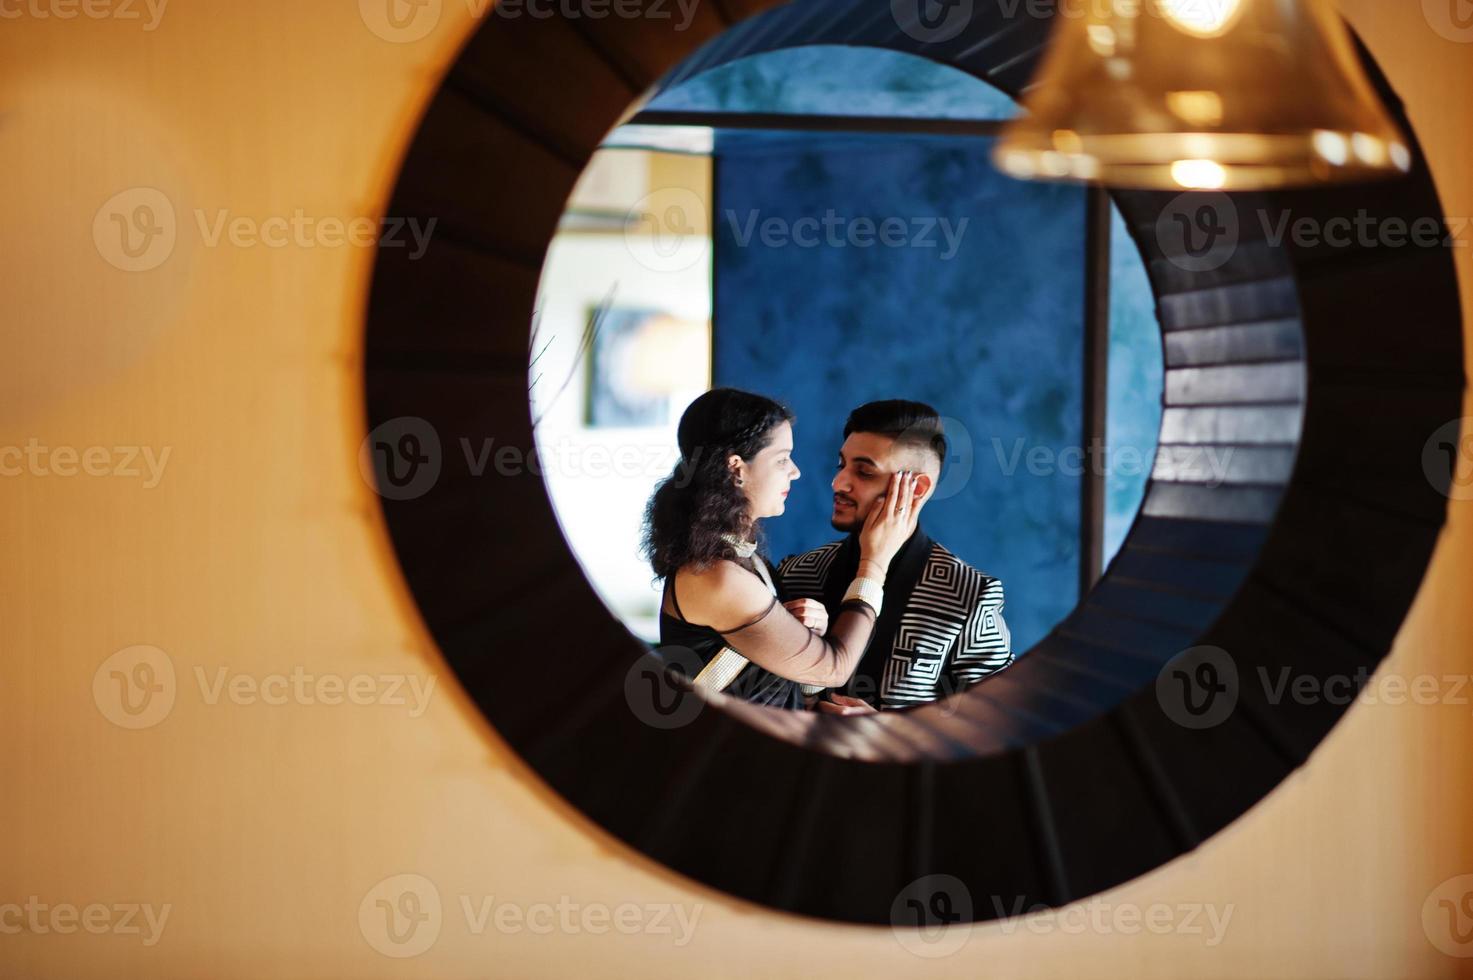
(700, 536)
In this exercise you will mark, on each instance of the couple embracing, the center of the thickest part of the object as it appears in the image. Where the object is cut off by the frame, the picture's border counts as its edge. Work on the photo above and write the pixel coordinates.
(883, 618)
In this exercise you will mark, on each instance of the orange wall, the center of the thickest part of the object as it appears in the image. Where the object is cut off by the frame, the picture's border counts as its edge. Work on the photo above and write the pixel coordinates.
(260, 550)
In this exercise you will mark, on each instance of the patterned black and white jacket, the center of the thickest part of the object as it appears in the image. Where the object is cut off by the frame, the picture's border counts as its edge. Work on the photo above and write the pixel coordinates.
(941, 628)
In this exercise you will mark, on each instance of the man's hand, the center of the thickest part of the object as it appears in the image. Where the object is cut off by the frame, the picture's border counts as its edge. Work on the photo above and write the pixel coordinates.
(810, 612)
(843, 704)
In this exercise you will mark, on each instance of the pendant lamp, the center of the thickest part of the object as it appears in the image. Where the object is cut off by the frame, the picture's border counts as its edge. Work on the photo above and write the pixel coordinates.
(1204, 95)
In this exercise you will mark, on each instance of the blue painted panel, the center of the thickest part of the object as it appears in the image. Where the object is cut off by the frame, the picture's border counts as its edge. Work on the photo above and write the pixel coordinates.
(982, 322)
(1133, 414)
(834, 80)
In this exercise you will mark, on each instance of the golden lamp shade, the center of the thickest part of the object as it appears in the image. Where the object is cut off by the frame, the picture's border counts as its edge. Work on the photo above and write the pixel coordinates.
(1202, 94)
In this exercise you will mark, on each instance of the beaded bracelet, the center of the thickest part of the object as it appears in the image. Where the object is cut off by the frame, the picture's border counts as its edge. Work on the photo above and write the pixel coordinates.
(867, 591)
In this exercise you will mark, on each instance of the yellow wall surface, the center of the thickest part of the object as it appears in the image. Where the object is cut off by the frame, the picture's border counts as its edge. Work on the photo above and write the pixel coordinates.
(250, 563)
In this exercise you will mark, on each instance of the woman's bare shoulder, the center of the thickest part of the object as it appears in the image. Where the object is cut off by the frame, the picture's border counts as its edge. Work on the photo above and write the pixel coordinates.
(714, 592)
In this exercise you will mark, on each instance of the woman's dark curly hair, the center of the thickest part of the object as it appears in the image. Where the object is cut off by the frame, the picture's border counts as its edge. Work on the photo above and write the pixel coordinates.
(699, 502)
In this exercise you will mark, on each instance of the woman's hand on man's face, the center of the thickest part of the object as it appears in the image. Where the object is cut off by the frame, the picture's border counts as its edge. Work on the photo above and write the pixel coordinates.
(891, 521)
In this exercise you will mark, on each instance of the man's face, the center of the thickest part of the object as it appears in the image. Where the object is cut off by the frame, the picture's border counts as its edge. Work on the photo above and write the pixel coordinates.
(866, 462)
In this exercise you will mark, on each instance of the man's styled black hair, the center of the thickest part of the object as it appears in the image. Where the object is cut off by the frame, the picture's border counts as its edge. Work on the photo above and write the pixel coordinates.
(912, 424)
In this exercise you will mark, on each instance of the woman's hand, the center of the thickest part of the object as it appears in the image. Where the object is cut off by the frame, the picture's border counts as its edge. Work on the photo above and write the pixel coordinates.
(810, 612)
(842, 704)
(892, 521)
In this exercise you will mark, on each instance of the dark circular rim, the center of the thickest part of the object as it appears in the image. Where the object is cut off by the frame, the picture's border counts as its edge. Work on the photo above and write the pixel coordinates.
(1323, 370)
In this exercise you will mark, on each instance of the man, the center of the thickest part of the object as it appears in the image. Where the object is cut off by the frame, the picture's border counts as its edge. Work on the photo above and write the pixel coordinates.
(941, 627)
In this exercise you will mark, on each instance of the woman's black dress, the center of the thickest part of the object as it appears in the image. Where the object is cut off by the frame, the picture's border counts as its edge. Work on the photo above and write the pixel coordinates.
(754, 683)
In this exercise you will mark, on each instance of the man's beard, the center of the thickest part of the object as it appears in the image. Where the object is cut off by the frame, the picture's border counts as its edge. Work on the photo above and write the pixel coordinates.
(850, 524)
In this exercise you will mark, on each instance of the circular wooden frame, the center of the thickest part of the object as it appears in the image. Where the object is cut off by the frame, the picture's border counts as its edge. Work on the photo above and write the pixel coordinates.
(1320, 372)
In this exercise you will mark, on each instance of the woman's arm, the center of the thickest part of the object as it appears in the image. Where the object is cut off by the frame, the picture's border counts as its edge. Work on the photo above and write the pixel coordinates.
(764, 632)
(738, 606)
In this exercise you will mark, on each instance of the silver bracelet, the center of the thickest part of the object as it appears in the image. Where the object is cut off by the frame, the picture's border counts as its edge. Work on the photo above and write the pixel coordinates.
(867, 591)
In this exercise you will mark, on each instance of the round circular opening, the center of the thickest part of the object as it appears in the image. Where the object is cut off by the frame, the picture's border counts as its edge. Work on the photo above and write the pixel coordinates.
(823, 225)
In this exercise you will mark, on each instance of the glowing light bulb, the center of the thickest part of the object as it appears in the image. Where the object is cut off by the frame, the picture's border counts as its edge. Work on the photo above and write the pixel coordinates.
(1201, 18)
(1199, 174)
(1334, 147)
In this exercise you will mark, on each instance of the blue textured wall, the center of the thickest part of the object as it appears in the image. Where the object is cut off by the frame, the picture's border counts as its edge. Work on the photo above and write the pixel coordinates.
(1133, 412)
(837, 81)
(989, 335)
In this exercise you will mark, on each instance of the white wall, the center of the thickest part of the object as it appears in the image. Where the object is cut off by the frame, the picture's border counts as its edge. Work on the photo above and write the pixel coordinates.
(601, 478)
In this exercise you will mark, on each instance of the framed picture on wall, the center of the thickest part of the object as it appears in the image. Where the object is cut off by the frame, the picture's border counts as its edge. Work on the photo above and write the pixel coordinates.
(616, 396)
